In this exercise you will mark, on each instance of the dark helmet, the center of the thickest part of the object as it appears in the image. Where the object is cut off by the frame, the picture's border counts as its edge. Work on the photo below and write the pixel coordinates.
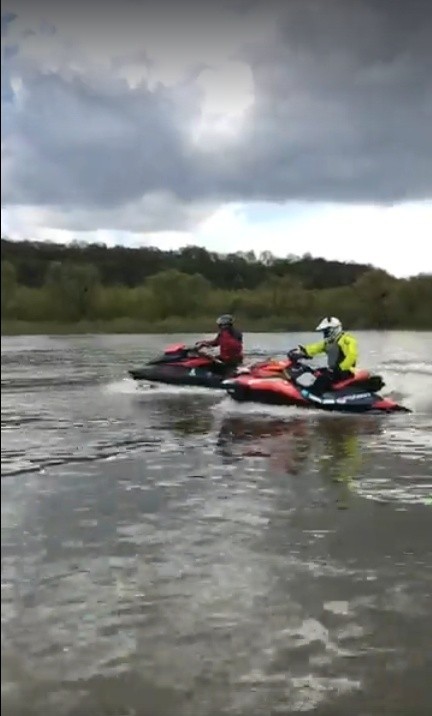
(225, 320)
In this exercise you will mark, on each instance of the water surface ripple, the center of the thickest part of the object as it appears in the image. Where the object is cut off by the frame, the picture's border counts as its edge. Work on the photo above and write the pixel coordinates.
(168, 552)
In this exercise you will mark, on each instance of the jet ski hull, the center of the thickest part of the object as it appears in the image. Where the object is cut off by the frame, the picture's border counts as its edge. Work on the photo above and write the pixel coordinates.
(278, 391)
(177, 375)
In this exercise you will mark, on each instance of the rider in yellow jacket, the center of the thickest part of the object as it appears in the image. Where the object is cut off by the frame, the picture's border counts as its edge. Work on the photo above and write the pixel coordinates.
(342, 353)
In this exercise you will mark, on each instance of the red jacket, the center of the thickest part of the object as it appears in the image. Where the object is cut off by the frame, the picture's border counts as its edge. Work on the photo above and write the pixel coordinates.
(230, 342)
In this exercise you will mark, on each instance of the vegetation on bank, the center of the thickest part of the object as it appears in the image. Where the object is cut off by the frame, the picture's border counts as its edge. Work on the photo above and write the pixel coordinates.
(77, 289)
(205, 324)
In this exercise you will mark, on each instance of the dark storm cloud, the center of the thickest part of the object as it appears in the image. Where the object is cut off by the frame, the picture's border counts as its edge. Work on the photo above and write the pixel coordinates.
(344, 103)
(342, 106)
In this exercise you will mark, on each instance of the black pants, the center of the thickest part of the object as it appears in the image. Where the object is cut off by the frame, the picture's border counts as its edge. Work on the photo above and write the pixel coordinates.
(225, 368)
(327, 378)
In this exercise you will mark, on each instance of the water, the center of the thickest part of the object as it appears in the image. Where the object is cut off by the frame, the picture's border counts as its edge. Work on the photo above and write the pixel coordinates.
(167, 552)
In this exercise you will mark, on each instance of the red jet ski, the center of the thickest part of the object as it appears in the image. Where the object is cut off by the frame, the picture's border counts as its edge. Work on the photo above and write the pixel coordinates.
(182, 365)
(279, 383)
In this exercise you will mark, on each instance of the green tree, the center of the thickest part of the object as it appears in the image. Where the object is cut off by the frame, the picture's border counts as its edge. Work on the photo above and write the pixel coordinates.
(375, 290)
(413, 298)
(283, 295)
(72, 289)
(178, 294)
(8, 287)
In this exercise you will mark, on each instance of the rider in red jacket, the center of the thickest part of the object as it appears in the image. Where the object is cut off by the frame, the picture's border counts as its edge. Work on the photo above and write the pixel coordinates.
(229, 340)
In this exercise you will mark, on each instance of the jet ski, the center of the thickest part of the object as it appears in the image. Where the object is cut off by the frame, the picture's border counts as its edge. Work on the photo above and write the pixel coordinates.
(190, 365)
(280, 383)
(182, 365)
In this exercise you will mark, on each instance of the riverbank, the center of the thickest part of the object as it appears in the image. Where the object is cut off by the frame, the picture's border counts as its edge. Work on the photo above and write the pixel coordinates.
(131, 326)
(170, 325)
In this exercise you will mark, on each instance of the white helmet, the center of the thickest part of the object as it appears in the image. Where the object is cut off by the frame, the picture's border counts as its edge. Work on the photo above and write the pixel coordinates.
(331, 328)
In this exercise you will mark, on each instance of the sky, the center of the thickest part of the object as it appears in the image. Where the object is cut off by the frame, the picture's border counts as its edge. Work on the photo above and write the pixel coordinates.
(290, 126)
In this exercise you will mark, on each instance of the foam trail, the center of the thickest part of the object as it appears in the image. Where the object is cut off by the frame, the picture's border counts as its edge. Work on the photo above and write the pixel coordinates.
(227, 407)
(409, 385)
(124, 387)
(405, 367)
(127, 386)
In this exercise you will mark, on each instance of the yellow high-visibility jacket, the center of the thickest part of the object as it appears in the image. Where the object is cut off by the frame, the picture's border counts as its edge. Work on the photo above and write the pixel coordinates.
(342, 353)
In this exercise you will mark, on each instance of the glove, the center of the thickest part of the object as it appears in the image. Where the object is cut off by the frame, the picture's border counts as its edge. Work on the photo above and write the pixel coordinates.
(296, 354)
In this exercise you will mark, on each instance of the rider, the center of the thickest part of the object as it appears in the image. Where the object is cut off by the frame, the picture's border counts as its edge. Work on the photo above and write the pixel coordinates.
(341, 350)
(230, 342)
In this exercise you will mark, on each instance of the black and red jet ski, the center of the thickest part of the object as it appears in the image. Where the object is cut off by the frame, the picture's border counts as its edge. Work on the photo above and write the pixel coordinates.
(280, 383)
(190, 365)
(182, 365)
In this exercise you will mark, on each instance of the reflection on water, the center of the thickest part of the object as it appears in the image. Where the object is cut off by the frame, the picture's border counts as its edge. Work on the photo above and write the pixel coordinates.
(333, 447)
(170, 553)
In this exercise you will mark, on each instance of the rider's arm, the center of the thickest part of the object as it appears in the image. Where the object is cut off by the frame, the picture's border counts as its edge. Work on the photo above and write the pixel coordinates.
(214, 342)
(313, 349)
(349, 347)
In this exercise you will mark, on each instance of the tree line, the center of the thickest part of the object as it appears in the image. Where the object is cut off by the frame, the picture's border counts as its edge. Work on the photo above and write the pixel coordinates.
(130, 267)
(68, 284)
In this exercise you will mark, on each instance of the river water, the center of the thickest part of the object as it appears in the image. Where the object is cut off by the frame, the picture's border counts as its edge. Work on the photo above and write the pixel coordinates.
(167, 552)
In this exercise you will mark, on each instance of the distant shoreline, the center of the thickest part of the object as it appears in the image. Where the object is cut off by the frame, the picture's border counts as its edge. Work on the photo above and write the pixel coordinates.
(130, 326)
(173, 325)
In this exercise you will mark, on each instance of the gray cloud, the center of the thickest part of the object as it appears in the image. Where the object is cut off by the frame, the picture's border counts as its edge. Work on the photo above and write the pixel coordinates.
(94, 143)
(342, 111)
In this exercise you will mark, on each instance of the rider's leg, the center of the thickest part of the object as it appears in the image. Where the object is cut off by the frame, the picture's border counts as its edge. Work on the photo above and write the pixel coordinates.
(322, 383)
